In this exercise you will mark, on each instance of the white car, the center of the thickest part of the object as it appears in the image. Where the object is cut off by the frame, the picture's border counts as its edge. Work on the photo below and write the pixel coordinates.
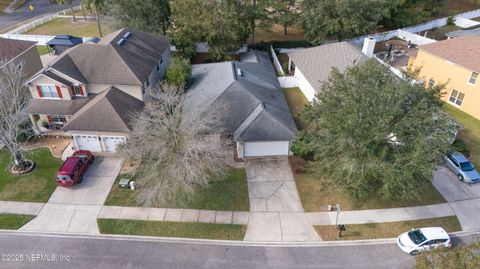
(423, 239)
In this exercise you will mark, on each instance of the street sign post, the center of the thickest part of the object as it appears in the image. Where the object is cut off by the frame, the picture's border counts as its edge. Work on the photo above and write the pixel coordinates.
(31, 7)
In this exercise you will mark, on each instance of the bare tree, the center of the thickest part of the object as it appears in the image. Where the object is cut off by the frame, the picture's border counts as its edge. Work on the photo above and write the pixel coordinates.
(14, 98)
(179, 151)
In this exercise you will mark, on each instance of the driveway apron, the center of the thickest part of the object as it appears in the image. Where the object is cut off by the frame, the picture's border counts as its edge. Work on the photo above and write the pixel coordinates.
(75, 209)
(276, 211)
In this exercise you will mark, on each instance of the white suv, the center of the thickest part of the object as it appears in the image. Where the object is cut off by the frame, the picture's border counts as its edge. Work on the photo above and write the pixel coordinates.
(423, 239)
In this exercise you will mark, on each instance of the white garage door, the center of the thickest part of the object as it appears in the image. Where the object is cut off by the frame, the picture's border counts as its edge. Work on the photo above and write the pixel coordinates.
(111, 142)
(88, 142)
(259, 149)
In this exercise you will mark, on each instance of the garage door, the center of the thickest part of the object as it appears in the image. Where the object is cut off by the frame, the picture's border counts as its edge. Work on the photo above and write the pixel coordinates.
(259, 149)
(88, 142)
(111, 142)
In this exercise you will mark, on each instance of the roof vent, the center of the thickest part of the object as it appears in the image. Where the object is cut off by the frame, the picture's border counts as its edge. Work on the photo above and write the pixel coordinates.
(127, 35)
(121, 41)
(239, 72)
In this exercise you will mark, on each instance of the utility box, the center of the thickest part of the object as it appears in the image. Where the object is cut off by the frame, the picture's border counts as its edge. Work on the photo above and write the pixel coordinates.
(124, 183)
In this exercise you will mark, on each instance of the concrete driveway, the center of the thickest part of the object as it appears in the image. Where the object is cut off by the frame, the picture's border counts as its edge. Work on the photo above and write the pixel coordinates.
(464, 198)
(276, 210)
(75, 209)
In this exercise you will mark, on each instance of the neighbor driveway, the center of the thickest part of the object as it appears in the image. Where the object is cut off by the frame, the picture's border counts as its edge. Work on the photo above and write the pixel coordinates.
(75, 209)
(464, 198)
(276, 210)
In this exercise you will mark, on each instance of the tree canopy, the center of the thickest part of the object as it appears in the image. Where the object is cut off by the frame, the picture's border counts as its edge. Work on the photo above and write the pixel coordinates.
(178, 72)
(371, 133)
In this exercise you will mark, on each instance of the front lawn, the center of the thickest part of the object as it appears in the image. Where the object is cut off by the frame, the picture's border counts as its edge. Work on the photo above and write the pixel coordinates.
(470, 134)
(34, 187)
(229, 193)
(385, 230)
(172, 229)
(296, 102)
(66, 26)
(13, 221)
(42, 49)
(315, 197)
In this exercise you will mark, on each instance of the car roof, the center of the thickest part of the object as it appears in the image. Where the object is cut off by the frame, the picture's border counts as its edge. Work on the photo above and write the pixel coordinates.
(459, 157)
(434, 233)
(69, 165)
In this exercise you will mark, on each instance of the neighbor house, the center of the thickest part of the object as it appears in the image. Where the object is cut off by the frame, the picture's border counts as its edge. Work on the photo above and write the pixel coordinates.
(257, 116)
(312, 66)
(91, 90)
(455, 62)
(21, 51)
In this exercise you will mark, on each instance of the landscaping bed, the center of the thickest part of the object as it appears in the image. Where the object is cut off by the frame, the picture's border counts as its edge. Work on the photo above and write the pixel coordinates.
(296, 101)
(172, 229)
(68, 27)
(385, 230)
(229, 193)
(13, 221)
(316, 197)
(33, 187)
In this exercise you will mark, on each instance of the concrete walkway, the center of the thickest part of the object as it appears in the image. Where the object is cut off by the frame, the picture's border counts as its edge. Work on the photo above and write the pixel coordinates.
(276, 210)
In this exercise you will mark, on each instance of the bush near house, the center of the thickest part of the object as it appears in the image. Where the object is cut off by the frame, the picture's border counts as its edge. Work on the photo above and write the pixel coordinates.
(179, 71)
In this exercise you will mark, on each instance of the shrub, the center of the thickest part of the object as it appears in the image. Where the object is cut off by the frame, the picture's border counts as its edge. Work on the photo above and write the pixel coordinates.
(178, 72)
(461, 147)
(450, 21)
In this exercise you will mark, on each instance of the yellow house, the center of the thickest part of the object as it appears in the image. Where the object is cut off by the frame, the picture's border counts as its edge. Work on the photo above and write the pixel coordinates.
(457, 63)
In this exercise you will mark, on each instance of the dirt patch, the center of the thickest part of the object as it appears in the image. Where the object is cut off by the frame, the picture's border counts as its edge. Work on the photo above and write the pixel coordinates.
(56, 145)
(129, 166)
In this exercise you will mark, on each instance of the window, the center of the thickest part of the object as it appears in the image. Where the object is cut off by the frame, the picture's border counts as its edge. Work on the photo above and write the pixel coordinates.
(48, 91)
(77, 90)
(473, 78)
(58, 119)
(456, 98)
(431, 82)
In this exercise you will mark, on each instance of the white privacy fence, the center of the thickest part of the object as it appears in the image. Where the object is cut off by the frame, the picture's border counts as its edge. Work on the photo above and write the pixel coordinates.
(465, 23)
(288, 82)
(276, 62)
(414, 38)
(40, 39)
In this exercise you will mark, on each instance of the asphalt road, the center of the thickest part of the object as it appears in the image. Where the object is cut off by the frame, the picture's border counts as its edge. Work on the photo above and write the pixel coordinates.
(23, 13)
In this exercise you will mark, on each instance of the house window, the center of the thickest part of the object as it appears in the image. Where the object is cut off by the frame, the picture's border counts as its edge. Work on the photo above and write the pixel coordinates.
(473, 78)
(431, 82)
(49, 91)
(456, 97)
(77, 90)
(58, 119)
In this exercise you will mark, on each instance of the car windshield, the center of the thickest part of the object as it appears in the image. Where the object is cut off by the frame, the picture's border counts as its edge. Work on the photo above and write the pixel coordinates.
(417, 237)
(63, 177)
(467, 166)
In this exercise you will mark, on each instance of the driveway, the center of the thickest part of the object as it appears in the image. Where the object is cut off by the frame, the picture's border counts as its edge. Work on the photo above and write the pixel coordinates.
(464, 199)
(276, 210)
(75, 209)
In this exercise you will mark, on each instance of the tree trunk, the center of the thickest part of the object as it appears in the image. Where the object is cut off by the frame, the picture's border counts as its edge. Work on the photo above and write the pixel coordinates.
(98, 23)
(73, 12)
(19, 161)
(285, 31)
(83, 11)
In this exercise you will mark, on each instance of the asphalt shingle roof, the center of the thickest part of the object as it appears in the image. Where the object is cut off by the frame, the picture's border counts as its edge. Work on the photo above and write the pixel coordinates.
(65, 40)
(10, 48)
(256, 107)
(56, 107)
(317, 63)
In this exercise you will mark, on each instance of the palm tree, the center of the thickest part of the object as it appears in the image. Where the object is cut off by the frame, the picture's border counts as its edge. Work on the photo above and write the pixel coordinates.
(99, 6)
(68, 2)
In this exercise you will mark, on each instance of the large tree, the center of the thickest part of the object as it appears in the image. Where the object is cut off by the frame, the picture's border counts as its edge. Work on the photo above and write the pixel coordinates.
(177, 150)
(339, 19)
(14, 98)
(219, 23)
(371, 133)
(70, 3)
(100, 7)
(145, 15)
(284, 12)
(256, 14)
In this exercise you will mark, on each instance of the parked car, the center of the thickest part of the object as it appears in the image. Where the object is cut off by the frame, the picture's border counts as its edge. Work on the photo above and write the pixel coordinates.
(462, 167)
(423, 239)
(72, 170)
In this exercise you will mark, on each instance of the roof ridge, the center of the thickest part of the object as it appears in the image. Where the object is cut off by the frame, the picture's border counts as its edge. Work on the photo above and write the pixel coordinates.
(252, 117)
(124, 63)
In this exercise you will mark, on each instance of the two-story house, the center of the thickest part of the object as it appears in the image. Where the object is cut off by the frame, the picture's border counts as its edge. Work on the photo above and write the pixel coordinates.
(457, 63)
(91, 90)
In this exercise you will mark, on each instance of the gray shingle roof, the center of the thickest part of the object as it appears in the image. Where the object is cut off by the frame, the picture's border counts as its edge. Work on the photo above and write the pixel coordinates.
(108, 62)
(10, 48)
(65, 40)
(317, 63)
(109, 111)
(257, 110)
(56, 107)
(465, 32)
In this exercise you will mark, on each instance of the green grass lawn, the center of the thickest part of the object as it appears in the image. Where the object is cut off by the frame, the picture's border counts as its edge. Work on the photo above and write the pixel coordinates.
(34, 187)
(227, 193)
(315, 197)
(470, 134)
(296, 102)
(172, 229)
(14, 222)
(42, 49)
(385, 230)
(67, 26)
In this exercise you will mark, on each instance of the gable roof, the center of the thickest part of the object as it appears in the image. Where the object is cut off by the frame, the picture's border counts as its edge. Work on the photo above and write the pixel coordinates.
(129, 62)
(11, 48)
(65, 40)
(316, 63)
(257, 109)
(463, 51)
(109, 111)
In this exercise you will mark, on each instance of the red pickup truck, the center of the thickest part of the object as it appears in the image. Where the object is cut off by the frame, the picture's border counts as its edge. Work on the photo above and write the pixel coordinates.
(72, 170)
